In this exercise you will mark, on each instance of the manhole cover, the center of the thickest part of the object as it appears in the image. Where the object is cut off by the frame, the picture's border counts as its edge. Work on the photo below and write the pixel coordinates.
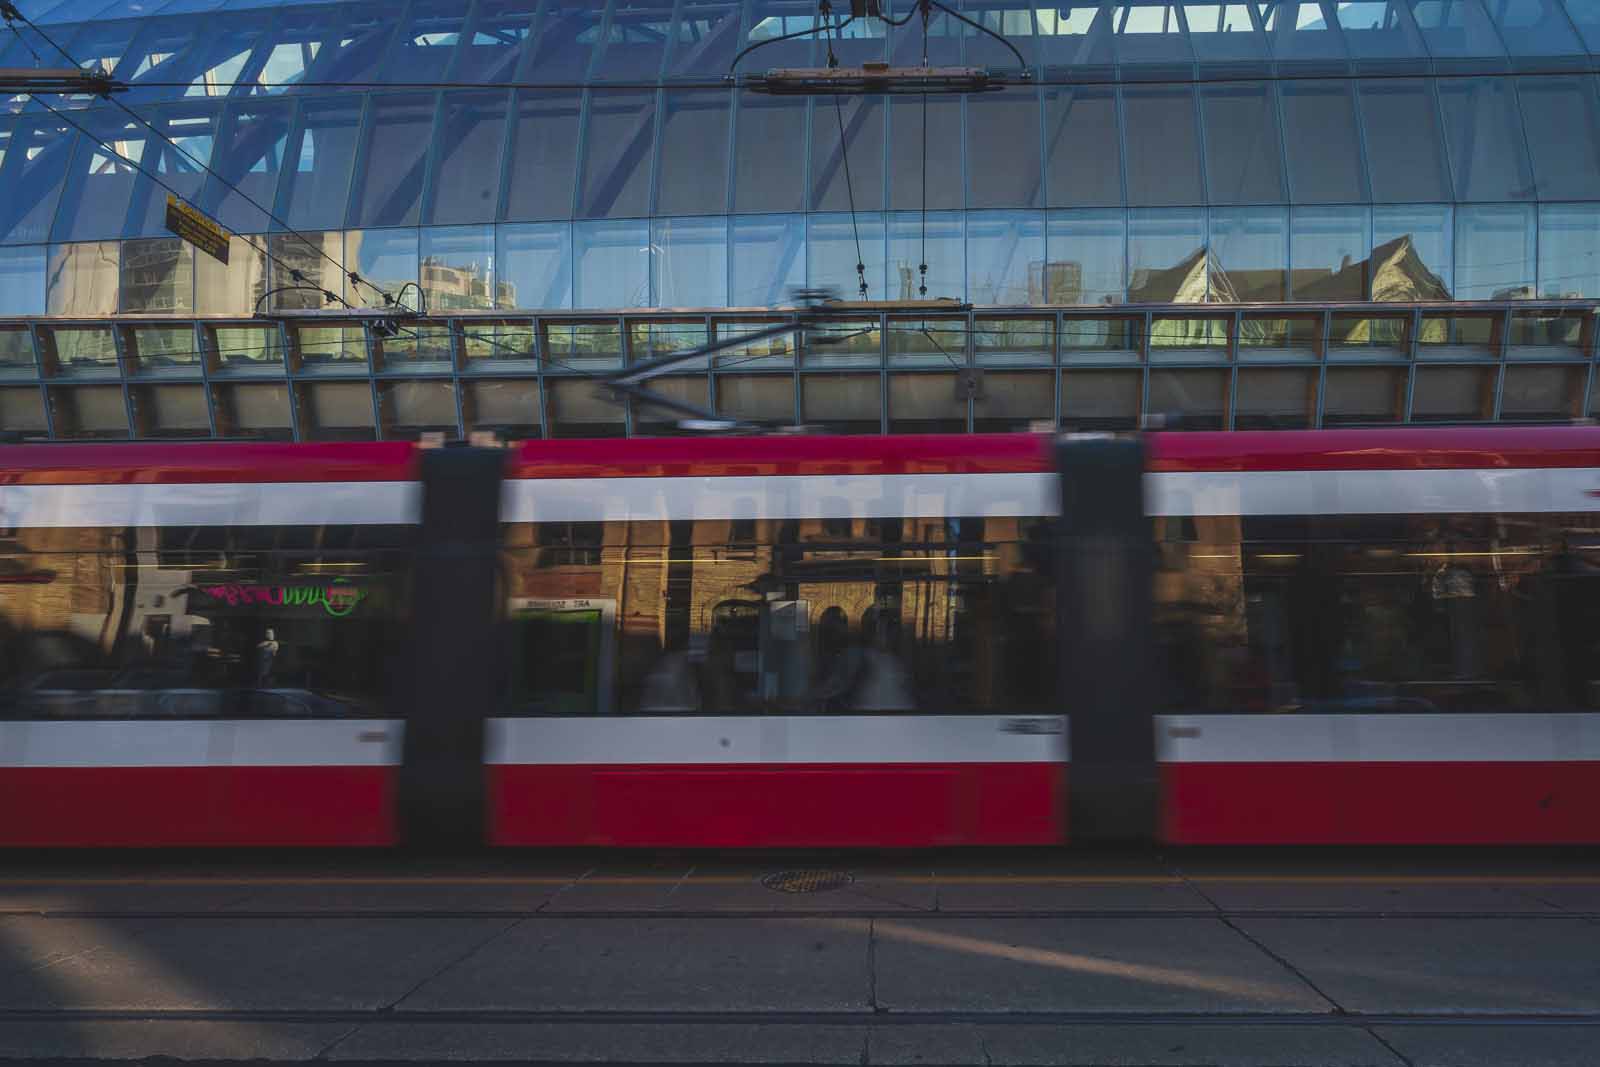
(806, 881)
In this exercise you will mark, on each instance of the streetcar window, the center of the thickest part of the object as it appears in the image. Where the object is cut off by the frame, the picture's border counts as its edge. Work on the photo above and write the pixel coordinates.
(198, 622)
(796, 617)
(1369, 614)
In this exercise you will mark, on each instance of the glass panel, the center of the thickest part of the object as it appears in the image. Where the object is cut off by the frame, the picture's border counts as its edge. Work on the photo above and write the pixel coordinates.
(330, 349)
(1079, 36)
(905, 151)
(246, 349)
(769, 157)
(1276, 398)
(694, 154)
(16, 353)
(567, 33)
(1223, 32)
(616, 163)
(1542, 393)
(87, 412)
(832, 251)
(1300, 33)
(179, 160)
(1494, 252)
(544, 155)
(1452, 394)
(411, 409)
(1586, 17)
(33, 162)
(1191, 399)
(80, 352)
(1535, 28)
(508, 408)
(1013, 402)
(763, 397)
(1013, 21)
(394, 154)
(1102, 340)
(1249, 256)
(634, 45)
(466, 183)
(1263, 337)
(705, 38)
(1094, 400)
(1369, 337)
(769, 259)
(497, 42)
(426, 42)
(1411, 253)
(842, 403)
(1013, 341)
(1083, 148)
(582, 346)
(775, 351)
(1352, 395)
(689, 262)
(769, 19)
(1380, 32)
(1404, 149)
(457, 268)
(171, 411)
(926, 403)
(943, 244)
(863, 122)
(260, 411)
(1003, 150)
(1328, 253)
(22, 410)
(317, 185)
(533, 266)
(1564, 134)
(336, 411)
(491, 345)
(1147, 32)
(1163, 146)
(611, 263)
(1324, 149)
(927, 342)
(652, 338)
(1244, 163)
(336, 45)
(82, 279)
(1166, 257)
(654, 420)
(1188, 339)
(213, 64)
(249, 157)
(1483, 131)
(317, 257)
(157, 276)
(579, 409)
(22, 281)
(99, 185)
(1005, 257)
(1456, 29)
(1087, 252)
(1569, 251)
(1547, 334)
(843, 342)
(385, 258)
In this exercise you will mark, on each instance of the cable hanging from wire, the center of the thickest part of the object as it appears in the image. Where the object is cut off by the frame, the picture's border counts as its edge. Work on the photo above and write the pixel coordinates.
(825, 9)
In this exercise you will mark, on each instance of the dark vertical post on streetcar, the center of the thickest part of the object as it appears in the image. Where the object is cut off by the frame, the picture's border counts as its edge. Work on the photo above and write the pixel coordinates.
(1104, 573)
(451, 662)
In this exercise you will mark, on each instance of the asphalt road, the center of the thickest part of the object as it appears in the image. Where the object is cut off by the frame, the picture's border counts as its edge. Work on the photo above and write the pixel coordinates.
(977, 958)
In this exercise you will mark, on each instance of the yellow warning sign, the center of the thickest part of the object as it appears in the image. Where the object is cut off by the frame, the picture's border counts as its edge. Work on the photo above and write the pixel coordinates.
(197, 229)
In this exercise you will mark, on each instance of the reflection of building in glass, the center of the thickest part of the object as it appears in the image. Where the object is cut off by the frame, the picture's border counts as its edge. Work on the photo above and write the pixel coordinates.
(453, 286)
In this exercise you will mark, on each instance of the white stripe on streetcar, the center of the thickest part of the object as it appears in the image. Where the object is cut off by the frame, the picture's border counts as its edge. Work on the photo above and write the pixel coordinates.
(202, 743)
(211, 504)
(831, 739)
(1515, 737)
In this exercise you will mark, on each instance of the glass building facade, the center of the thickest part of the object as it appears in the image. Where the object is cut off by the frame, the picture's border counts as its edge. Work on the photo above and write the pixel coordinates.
(1263, 213)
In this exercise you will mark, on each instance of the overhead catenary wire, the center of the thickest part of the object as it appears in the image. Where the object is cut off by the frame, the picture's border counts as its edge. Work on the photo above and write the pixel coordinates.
(844, 155)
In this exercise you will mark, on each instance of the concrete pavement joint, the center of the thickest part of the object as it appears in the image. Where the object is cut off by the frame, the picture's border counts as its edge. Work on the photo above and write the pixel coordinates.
(473, 951)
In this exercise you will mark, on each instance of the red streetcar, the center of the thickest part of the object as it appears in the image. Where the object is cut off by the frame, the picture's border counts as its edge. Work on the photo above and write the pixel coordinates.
(1318, 637)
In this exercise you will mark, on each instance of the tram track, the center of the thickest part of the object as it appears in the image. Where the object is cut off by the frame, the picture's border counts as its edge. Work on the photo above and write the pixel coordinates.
(788, 913)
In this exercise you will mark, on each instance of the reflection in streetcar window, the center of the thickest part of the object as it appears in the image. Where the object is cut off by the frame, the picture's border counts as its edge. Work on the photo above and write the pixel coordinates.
(1454, 613)
(190, 622)
(753, 617)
